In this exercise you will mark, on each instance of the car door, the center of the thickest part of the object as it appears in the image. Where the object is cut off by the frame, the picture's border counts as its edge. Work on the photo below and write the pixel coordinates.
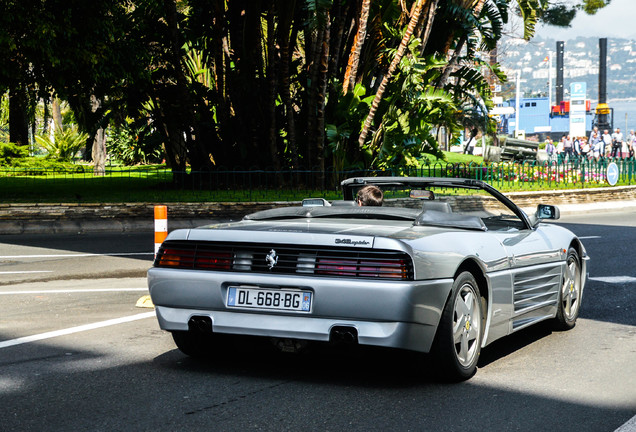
(536, 268)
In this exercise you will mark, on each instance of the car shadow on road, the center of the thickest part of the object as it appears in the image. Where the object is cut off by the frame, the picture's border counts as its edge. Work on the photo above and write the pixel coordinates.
(381, 384)
(357, 365)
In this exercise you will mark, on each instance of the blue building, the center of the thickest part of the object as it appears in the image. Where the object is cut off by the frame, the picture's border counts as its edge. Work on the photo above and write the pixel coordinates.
(537, 117)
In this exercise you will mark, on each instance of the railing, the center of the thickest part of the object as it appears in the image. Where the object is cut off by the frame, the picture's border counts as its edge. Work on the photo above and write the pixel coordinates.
(78, 184)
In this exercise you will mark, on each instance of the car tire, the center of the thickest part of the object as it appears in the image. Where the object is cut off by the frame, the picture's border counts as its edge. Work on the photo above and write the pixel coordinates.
(193, 343)
(459, 335)
(570, 294)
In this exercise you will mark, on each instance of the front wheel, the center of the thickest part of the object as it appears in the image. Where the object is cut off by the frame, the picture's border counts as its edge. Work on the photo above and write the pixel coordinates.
(571, 293)
(458, 341)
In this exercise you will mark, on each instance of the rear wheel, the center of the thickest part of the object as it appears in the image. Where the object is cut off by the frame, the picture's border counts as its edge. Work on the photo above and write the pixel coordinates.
(571, 293)
(458, 340)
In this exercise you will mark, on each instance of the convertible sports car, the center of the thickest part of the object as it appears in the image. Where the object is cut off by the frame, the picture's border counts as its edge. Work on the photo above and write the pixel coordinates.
(444, 266)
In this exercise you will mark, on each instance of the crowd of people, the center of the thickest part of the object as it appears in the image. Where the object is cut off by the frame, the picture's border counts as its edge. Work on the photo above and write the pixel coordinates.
(597, 146)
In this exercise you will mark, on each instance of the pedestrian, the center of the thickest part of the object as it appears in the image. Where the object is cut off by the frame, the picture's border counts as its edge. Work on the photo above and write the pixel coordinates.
(606, 146)
(617, 143)
(594, 132)
(595, 144)
(576, 146)
(631, 143)
(550, 149)
(567, 147)
(585, 148)
(559, 149)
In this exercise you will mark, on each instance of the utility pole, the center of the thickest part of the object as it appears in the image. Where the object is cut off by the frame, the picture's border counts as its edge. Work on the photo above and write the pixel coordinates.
(518, 103)
(550, 80)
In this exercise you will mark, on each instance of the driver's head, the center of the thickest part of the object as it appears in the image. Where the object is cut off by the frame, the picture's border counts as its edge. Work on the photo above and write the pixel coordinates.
(370, 196)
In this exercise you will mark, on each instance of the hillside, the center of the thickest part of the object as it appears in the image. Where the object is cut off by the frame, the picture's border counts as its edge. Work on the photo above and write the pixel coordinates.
(580, 65)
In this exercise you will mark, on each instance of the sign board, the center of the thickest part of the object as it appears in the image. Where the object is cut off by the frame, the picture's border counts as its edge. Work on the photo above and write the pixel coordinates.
(612, 174)
(578, 94)
(539, 129)
(578, 90)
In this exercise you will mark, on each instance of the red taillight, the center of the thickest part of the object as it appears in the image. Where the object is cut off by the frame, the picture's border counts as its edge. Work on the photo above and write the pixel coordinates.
(395, 269)
(336, 267)
(176, 258)
(184, 258)
(213, 260)
(384, 269)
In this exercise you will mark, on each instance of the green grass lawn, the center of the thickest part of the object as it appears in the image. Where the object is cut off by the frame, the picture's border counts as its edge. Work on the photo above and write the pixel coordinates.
(155, 184)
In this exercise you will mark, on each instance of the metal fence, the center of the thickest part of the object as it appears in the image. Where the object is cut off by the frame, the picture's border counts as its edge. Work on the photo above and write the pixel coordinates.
(158, 183)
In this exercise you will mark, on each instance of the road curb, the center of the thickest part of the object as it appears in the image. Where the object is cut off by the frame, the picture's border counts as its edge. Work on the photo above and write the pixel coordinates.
(95, 226)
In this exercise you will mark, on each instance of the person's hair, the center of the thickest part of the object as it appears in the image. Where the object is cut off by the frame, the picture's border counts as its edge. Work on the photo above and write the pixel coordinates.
(370, 196)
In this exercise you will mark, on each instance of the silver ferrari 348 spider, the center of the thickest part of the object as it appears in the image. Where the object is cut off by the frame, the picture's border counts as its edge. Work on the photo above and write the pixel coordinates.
(445, 266)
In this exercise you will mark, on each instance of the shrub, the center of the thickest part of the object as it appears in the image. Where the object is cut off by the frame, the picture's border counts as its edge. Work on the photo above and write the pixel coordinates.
(65, 143)
(130, 144)
(10, 151)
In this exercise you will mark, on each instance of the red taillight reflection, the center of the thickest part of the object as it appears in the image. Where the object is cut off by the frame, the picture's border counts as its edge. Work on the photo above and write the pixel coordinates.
(384, 269)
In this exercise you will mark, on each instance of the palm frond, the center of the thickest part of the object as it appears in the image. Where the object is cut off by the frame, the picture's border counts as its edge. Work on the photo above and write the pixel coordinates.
(469, 79)
(530, 10)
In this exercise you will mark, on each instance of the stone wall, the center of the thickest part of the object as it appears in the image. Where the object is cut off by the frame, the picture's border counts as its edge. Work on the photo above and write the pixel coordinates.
(72, 217)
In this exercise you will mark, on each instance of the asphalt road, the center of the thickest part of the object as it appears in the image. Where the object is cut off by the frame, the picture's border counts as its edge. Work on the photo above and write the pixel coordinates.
(77, 355)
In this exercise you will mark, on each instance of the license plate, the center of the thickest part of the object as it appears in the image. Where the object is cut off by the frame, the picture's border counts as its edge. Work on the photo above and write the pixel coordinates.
(261, 298)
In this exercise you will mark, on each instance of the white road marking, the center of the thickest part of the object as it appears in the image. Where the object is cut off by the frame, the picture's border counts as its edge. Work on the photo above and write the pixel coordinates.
(629, 426)
(71, 330)
(26, 272)
(76, 255)
(614, 279)
(71, 291)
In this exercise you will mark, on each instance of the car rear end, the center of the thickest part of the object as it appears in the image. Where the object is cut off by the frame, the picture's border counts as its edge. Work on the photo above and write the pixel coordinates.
(315, 286)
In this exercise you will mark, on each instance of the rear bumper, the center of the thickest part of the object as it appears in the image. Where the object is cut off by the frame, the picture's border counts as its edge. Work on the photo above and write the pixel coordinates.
(395, 314)
(416, 337)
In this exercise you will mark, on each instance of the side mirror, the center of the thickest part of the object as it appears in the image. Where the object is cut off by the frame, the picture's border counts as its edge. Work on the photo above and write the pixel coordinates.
(545, 211)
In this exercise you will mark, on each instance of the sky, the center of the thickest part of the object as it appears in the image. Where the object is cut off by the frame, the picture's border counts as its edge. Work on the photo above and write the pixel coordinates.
(617, 20)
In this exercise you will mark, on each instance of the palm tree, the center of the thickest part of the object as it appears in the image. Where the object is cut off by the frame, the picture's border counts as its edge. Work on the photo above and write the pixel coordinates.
(415, 17)
(351, 72)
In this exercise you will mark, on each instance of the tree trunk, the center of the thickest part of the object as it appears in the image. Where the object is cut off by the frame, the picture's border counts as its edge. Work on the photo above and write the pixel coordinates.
(313, 61)
(351, 72)
(272, 80)
(182, 113)
(57, 114)
(99, 144)
(339, 15)
(430, 17)
(322, 90)
(415, 16)
(459, 46)
(451, 63)
(18, 117)
(286, 15)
